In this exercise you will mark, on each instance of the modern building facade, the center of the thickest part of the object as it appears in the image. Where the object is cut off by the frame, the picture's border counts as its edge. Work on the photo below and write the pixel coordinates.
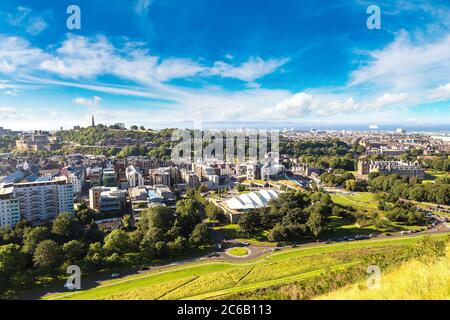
(44, 199)
(9, 208)
(134, 177)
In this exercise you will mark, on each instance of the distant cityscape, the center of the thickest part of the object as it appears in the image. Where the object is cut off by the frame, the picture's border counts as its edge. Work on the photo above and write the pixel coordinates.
(38, 187)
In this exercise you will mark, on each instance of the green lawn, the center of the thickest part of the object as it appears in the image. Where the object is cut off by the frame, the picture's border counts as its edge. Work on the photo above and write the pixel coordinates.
(232, 231)
(357, 200)
(240, 252)
(213, 279)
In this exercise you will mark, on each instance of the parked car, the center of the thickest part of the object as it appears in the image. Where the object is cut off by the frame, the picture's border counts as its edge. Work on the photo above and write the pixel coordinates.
(276, 249)
(115, 275)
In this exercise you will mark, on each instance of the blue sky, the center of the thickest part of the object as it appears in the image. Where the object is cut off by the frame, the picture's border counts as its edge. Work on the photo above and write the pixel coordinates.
(165, 63)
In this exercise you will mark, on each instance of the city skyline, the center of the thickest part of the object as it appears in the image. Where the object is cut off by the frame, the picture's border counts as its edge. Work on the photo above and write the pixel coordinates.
(274, 64)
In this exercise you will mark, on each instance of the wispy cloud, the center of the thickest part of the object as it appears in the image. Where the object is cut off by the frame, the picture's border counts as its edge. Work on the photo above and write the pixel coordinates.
(406, 64)
(25, 18)
(92, 103)
(142, 6)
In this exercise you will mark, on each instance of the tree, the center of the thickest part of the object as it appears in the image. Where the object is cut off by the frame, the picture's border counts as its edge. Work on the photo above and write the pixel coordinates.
(158, 217)
(48, 255)
(31, 238)
(12, 260)
(250, 221)
(150, 240)
(188, 215)
(177, 246)
(200, 235)
(213, 212)
(117, 241)
(350, 185)
(127, 222)
(66, 227)
(12, 267)
(84, 215)
(73, 250)
(96, 255)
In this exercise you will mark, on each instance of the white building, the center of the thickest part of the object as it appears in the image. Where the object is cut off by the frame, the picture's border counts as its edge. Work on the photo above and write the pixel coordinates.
(234, 207)
(134, 177)
(76, 177)
(9, 208)
(44, 199)
(107, 199)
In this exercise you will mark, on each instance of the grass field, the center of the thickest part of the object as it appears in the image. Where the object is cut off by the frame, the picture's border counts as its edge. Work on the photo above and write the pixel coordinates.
(415, 280)
(207, 280)
(357, 200)
(240, 252)
(232, 231)
(431, 175)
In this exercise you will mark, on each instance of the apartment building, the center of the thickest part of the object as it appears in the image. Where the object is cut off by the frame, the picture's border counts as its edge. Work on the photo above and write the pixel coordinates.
(76, 177)
(9, 208)
(107, 199)
(44, 199)
(134, 177)
(109, 178)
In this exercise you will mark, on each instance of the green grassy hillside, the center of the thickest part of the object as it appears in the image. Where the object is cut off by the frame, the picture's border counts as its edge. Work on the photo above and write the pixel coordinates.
(212, 280)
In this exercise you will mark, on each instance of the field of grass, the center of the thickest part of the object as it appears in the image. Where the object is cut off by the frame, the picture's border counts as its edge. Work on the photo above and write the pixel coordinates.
(357, 200)
(432, 175)
(414, 280)
(207, 280)
(232, 231)
(240, 252)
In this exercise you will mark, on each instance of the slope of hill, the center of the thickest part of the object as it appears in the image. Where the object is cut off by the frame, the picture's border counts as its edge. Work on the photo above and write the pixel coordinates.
(414, 280)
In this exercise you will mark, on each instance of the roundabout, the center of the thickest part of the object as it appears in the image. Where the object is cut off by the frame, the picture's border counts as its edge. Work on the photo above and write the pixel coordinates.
(238, 252)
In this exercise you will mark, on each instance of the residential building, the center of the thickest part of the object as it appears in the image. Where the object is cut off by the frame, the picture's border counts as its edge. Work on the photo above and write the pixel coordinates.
(190, 179)
(139, 198)
(109, 177)
(9, 208)
(134, 177)
(44, 199)
(75, 176)
(107, 199)
(165, 193)
(95, 175)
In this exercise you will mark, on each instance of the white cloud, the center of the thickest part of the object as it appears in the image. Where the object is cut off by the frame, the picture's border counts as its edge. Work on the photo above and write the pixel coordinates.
(16, 53)
(90, 103)
(8, 113)
(142, 6)
(13, 93)
(249, 71)
(295, 106)
(25, 18)
(36, 25)
(389, 99)
(82, 58)
(406, 65)
(441, 93)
